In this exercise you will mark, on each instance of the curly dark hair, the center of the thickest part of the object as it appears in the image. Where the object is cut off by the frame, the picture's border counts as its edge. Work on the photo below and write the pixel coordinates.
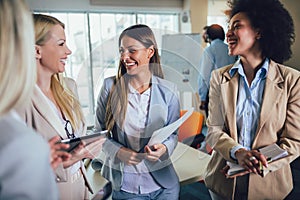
(274, 22)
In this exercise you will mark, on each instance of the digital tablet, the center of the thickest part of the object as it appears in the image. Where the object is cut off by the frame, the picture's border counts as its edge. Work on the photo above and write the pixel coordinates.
(74, 142)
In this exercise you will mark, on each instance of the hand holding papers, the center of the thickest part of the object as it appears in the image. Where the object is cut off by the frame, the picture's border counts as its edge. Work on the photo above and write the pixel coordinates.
(271, 152)
(160, 135)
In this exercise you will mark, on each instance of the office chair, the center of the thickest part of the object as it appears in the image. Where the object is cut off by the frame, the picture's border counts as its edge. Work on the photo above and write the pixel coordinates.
(190, 131)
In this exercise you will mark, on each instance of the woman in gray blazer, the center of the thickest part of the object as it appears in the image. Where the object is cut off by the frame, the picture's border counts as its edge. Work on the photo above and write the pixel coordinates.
(132, 105)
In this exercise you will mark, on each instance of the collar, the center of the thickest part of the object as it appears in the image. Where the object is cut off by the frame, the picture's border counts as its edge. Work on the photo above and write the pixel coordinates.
(237, 66)
(132, 90)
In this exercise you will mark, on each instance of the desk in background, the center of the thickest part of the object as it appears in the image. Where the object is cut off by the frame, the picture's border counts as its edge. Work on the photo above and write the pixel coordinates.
(190, 165)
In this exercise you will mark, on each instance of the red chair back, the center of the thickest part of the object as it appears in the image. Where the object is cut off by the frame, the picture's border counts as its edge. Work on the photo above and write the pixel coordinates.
(192, 126)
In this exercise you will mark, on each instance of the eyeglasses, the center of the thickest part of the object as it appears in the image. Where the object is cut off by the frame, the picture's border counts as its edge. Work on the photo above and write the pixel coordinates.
(69, 129)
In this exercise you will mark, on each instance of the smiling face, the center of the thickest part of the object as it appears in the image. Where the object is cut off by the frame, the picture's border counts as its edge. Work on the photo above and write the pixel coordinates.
(242, 38)
(134, 55)
(52, 55)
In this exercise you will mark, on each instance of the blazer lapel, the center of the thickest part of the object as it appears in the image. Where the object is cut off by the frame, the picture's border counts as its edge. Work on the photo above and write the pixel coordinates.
(272, 94)
(42, 107)
(229, 89)
(157, 113)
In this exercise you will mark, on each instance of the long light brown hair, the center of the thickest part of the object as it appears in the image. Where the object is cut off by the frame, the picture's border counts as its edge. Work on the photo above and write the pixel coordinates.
(66, 99)
(118, 98)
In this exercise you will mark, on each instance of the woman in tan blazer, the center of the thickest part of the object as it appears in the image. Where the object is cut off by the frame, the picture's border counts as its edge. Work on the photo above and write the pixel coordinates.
(254, 103)
(55, 109)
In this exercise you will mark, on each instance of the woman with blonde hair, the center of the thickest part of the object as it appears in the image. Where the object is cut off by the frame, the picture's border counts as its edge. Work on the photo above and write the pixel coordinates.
(18, 143)
(55, 108)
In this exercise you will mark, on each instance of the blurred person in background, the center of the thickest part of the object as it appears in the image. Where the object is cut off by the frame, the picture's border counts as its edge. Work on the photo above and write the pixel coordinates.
(214, 56)
(25, 171)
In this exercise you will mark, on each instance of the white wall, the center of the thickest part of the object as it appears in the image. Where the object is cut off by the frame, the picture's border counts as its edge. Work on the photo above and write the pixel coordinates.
(293, 7)
(106, 5)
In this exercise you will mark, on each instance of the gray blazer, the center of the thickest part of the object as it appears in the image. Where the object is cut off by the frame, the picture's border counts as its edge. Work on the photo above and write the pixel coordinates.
(164, 109)
(25, 173)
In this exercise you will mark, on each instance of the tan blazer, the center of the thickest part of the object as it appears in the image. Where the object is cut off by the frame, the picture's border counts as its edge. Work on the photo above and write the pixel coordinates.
(279, 122)
(40, 116)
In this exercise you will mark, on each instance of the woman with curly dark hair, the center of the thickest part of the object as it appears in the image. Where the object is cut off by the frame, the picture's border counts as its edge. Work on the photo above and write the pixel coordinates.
(254, 103)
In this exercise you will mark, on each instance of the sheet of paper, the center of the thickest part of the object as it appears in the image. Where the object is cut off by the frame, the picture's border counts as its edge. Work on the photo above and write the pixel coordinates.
(160, 135)
(273, 152)
(234, 168)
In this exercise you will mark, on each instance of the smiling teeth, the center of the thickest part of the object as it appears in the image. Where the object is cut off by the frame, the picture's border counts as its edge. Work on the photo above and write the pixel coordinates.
(130, 64)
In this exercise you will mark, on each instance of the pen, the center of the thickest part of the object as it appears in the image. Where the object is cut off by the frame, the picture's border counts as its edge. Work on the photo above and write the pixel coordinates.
(261, 168)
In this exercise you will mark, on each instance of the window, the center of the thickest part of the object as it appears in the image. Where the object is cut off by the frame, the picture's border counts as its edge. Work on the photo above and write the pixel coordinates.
(93, 40)
(216, 13)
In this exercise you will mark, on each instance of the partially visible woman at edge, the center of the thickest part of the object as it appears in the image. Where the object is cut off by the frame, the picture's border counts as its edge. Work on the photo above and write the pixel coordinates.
(133, 104)
(25, 173)
(254, 103)
(55, 109)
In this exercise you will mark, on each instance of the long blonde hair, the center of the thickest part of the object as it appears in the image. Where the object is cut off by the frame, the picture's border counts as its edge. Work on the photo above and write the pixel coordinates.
(17, 63)
(65, 98)
(117, 101)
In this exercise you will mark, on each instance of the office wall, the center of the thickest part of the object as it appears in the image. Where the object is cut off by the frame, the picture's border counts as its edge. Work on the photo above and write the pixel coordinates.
(293, 7)
(106, 5)
(198, 14)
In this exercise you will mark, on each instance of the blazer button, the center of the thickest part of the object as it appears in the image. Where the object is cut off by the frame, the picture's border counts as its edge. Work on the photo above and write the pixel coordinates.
(57, 179)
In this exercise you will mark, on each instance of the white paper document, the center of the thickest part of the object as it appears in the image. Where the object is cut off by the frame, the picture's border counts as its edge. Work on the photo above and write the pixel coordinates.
(234, 168)
(162, 134)
(273, 152)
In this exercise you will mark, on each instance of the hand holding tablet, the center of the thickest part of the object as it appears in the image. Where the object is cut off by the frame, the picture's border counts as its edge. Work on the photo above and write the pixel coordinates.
(86, 139)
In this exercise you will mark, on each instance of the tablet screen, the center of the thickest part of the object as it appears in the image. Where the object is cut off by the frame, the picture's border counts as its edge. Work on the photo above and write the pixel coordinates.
(93, 136)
